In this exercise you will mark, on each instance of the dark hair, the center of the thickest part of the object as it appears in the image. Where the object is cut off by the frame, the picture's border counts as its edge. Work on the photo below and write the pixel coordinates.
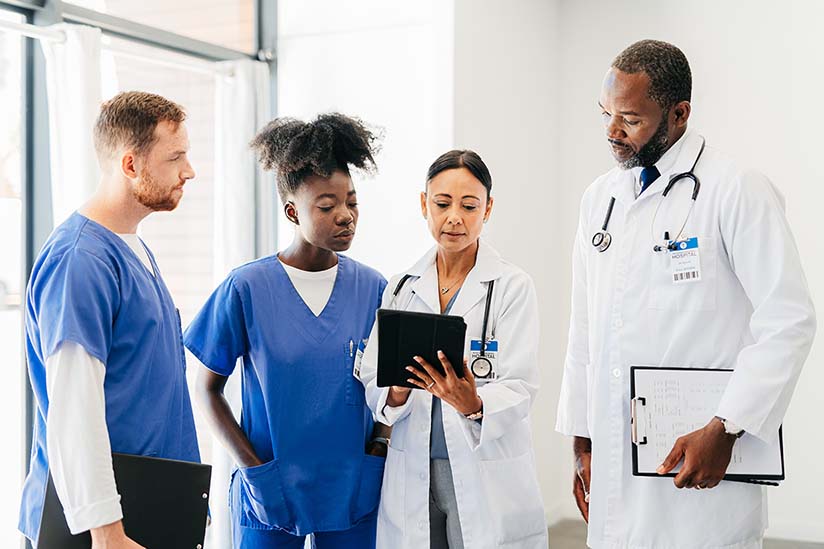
(670, 79)
(462, 159)
(297, 149)
(129, 120)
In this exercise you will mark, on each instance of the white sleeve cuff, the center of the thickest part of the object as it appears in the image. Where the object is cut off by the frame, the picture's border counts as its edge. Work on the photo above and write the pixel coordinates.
(389, 415)
(93, 515)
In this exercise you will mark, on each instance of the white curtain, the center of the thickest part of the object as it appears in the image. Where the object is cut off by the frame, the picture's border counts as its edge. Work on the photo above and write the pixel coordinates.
(244, 203)
(74, 94)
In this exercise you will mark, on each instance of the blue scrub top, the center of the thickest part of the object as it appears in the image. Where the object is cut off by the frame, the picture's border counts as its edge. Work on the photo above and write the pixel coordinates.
(303, 410)
(87, 286)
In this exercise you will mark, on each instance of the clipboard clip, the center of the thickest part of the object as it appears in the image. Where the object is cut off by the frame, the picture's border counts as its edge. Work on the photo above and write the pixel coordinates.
(634, 403)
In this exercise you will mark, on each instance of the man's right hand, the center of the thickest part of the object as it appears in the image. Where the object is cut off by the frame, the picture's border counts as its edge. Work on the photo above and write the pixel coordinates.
(112, 536)
(582, 448)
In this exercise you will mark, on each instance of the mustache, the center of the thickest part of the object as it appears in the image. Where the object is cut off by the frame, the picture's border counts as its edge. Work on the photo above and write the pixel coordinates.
(619, 143)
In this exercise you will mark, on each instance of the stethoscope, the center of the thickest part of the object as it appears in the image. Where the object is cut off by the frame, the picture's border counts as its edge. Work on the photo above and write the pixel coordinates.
(481, 366)
(602, 239)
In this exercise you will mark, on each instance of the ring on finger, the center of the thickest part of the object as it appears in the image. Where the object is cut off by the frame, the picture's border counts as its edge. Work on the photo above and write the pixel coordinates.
(430, 385)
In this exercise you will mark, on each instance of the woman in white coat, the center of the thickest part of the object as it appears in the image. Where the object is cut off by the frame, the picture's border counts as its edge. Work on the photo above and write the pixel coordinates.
(460, 470)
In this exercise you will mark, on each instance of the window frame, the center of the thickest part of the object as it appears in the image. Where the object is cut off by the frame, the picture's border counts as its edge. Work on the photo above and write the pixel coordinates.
(36, 203)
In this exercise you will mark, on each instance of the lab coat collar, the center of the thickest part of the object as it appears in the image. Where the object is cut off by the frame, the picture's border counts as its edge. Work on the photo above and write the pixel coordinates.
(487, 267)
(678, 159)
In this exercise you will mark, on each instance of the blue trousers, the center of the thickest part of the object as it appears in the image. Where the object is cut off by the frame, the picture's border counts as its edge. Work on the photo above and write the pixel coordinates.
(360, 536)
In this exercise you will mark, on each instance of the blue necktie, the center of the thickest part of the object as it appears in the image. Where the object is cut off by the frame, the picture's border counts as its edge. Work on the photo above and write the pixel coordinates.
(648, 177)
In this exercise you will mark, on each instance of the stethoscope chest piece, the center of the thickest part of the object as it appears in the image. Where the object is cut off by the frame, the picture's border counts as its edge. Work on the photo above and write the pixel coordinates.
(601, 241)
(481, 367)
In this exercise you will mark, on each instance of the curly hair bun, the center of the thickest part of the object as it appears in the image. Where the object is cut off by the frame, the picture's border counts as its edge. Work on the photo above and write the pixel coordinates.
(297, 149)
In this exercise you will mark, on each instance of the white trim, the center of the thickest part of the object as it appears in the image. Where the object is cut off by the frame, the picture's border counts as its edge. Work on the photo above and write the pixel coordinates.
(32, 31)
(121, 48)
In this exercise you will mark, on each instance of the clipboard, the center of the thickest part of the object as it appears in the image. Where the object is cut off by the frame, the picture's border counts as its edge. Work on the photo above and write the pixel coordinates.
(164, 501)
(403, 335)
(669, 402)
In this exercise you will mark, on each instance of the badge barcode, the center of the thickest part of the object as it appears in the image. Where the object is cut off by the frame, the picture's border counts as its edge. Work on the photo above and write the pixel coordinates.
(689, 275)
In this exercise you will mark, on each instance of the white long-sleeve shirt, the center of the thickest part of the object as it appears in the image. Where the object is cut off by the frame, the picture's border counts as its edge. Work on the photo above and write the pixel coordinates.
(80, 458)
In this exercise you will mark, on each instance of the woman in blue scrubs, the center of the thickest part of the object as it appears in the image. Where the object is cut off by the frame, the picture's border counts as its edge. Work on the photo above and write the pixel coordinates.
(298, 320)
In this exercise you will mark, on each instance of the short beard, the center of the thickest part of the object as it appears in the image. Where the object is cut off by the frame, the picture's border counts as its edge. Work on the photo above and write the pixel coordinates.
(150, 195)
(652, 151)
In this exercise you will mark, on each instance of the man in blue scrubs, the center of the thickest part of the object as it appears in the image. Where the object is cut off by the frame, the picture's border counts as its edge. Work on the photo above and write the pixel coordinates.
(103, 336)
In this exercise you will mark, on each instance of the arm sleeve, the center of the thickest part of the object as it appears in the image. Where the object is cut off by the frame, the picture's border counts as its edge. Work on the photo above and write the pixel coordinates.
(764, 257)
(217, 336)
(79, 452)
(77, 299)
(572, 404)
(508, 399)
(376, 396)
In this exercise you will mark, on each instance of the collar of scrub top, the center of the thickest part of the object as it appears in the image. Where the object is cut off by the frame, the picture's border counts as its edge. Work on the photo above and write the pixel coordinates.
(425, 280)
(678, 159)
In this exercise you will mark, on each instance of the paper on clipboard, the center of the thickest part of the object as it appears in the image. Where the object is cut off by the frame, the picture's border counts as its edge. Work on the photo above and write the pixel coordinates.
(670, 402)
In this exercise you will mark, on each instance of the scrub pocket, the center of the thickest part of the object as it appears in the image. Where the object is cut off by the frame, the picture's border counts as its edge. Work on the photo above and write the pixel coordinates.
(369, 492)
(354, 388)
(511, 488)
(263, 491)
(180, 339)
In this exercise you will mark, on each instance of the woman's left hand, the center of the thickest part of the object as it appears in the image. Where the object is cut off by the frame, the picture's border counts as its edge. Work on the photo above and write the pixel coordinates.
(460, 393)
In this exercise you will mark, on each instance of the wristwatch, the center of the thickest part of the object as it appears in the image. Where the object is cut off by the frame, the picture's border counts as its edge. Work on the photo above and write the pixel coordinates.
(731, 428)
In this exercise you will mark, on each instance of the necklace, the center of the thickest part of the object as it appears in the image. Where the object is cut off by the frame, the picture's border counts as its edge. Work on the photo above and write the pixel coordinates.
(445, 289)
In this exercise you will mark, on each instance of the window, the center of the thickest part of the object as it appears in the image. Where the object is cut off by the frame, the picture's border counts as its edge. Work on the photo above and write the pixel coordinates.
(182, 240)
(228, 23)
(12, 405)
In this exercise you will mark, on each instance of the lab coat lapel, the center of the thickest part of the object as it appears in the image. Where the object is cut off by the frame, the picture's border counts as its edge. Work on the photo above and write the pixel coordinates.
(622, 187)
(425, 288)
(487, 267)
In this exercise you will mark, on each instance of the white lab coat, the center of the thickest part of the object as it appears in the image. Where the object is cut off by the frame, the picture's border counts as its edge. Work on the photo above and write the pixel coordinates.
(751, 311)
(493, 466)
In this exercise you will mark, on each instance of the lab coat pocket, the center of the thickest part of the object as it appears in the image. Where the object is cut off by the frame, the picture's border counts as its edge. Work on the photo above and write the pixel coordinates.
(391, 515)
(514, 498)
(263, 491)
(695, 295)
(369, 492)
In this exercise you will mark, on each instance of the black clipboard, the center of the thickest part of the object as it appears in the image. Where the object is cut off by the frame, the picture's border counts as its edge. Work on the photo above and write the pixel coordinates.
(636, 440)
(404, 334)
(165, 503)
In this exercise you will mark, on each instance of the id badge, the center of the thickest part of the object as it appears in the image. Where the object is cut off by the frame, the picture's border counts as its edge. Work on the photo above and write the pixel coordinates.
(359, 358)
(685, 261)
(483, 367)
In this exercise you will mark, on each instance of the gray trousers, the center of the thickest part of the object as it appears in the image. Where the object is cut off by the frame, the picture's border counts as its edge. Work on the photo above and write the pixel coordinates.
(444, 522)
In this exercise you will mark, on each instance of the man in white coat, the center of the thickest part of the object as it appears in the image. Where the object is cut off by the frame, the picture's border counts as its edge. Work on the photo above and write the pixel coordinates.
(743, 305)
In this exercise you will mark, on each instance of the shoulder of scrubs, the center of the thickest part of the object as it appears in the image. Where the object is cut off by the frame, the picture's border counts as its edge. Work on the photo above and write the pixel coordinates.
(79, 452)
(217, 335)
(371, 274)
(763, 255)
(508, 399)
(74, 296)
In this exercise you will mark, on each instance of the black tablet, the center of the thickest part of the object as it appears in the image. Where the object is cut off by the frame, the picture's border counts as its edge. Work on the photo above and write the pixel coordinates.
(403, 335)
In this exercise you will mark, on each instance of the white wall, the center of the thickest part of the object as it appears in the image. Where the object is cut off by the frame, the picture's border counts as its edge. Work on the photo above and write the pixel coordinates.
(757, 75)
(506, 109)
(391, 65)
